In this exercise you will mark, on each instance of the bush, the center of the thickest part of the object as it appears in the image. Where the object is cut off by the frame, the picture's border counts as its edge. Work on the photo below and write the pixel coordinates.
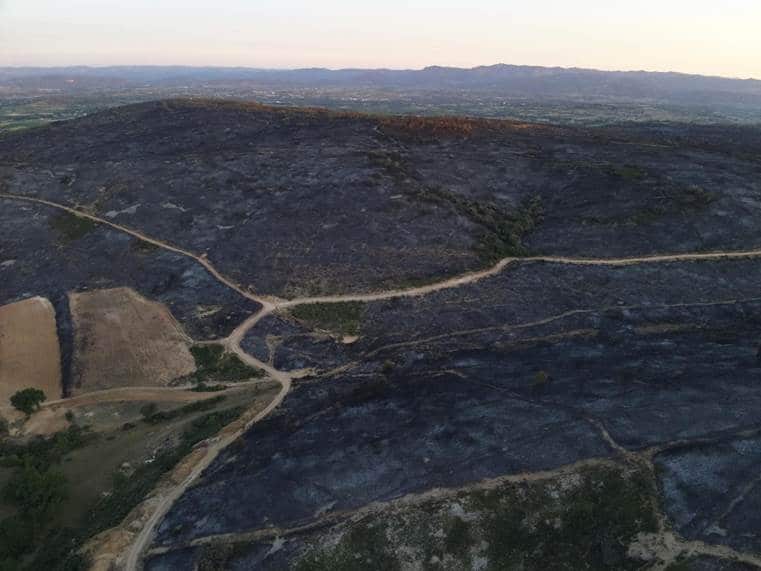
(213, 364)
(28, 400)
(36, 491)
(148, 410)
(71, 227)
(501, 231)
(165, 415)
(204, 388)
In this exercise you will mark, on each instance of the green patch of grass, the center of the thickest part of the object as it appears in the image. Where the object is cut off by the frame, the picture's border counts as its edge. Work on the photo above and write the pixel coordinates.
(697, 197)
(38, 487)
(590, 529)
(32, 539)
(204, 388)
(142, 247)
(458, 539)
(218, 556)
(363, 547)
(70, 227)
(586, 522)
(45, 451)
(505, 231)
(129, 491)
(339, 318)
(679, 566)
(628, 172)
(411, 283)
(540, 379)
(215, 365)
(156, 417)
(501, 231)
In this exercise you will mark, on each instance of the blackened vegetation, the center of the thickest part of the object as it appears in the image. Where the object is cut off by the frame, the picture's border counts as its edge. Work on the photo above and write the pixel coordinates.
(500, 230)
(105, 258)
(347, 214)
(513, 374)
(498, 377)
(65, 330)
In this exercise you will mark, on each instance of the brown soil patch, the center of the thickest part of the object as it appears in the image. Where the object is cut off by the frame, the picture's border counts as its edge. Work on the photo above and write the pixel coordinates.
(123, 340)
(29, 351)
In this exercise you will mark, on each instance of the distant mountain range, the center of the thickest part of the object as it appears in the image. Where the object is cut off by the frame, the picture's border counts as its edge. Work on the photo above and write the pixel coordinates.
(510, 80)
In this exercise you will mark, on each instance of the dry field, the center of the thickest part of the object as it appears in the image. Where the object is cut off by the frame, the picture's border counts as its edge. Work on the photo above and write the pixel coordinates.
(29, 349)
(123, 340)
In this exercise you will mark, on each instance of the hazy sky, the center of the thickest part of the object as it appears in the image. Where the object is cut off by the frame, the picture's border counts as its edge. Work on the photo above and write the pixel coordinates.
(701, 36)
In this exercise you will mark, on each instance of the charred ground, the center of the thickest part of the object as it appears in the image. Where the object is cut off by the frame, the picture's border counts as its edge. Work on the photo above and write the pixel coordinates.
(580, 394)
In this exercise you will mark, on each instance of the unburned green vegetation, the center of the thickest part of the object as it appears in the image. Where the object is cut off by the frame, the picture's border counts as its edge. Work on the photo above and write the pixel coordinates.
(628, 172)
(143, 246)
(130, 490)
(501, 231)
(28, 400)
(153, 416)
(215, 365)
(36, 489)
(364, 544)
(48, 518)
(339, 318)
(70, 227)
(590, 528)
(580, 521)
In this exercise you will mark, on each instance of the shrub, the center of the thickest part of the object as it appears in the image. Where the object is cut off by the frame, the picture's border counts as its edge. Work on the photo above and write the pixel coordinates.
(458, 538)
(36, 491)
(148, 410)
(541, 378)
(165, 415)
(28, 400)
(204, 388)
(213, 363)
(71, 227)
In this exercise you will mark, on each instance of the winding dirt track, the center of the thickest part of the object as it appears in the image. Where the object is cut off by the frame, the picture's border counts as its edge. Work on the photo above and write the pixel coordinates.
(272, 304)
(139, 235)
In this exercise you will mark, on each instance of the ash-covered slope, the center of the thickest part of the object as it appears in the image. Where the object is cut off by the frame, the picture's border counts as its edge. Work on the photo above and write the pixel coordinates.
(304, 201)
(591, 408)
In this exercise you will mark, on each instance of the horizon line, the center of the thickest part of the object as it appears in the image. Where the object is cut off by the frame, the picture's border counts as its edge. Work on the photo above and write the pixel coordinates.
(388, 69)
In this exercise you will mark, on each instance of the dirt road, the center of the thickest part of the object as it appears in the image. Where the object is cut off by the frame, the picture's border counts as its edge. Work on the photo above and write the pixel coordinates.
(270, 304)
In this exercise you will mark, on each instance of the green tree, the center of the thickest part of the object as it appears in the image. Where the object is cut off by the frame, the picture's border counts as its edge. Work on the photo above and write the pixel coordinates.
(28, 400)
(37, 491)
(148, 410)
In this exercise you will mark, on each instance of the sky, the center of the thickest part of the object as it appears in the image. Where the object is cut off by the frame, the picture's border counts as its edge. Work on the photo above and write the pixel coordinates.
(694, 36)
